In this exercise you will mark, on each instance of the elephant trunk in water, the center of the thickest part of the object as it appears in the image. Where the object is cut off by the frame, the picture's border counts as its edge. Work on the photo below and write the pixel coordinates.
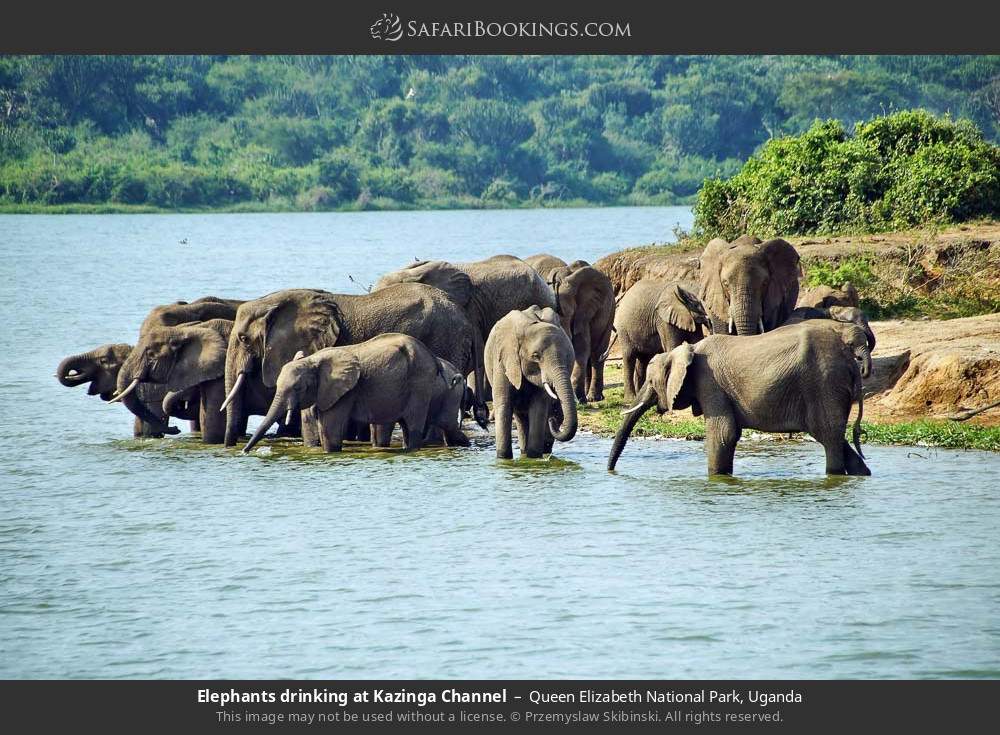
(279, 406)
(567, 401)
(646, 398)
(238, 366)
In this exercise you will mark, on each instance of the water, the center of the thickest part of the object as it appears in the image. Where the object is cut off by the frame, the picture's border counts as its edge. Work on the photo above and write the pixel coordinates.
(165, 558)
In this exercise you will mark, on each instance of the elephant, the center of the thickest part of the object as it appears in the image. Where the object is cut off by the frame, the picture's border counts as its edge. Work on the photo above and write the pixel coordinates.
(189, 362)
(269, 331)
(529, 359)
(544, 264)
(585, 303)
(389, 378)
(823, 297)
(840, 315)
(100, 367)
(796, 378)
(486, 290)
(747, 286)
(655, 316)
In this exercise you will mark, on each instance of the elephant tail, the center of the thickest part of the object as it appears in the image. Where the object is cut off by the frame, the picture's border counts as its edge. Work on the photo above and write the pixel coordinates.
(611, 343)
(856, 432)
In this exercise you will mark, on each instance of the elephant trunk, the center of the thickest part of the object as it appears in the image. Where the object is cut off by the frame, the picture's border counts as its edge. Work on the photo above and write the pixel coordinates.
(646, 398)
(745, 313)
(865, 358)
(279, 405)
(567, 401)
(79, 365)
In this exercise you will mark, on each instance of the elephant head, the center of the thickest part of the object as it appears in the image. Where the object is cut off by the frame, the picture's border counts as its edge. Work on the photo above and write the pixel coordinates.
(854, 315)
(823, 297)
(581, 288)
(533, 347)
(266, 334)
(99, 367)
(179, 358)
(749, 287)
(681, 308)
(319, 380)
(664, 389)
(857, 341)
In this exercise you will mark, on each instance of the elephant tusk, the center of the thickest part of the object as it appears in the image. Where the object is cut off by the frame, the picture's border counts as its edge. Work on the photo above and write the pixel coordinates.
(288, 418)
(730, 327)
(548, 389)
(634, 408)
(127, 391)
(233, 392)
(760, 324)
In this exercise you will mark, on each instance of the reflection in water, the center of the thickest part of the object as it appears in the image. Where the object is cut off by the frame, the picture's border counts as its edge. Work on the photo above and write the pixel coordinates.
(167, 558)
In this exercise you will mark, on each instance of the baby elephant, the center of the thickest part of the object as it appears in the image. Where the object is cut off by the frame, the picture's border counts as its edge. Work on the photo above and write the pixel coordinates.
(529, 360)
(390, 378)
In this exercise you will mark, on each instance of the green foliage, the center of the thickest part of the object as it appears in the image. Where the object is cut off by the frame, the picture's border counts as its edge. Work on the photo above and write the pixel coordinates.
(856, 269)
(895, 172)
(321, 132)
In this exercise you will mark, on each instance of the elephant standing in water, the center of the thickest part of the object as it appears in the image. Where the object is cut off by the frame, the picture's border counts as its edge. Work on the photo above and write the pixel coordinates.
(269, 331)
(747, 286)
(529, 359)
(100, 367)
(389, 378)
(797, 378)
(189, 363)
(486, 290)
(652, 317)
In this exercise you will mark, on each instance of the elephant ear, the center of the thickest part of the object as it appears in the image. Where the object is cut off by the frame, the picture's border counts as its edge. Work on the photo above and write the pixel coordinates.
(200, 356)
(510, 331)
(337, 375)
(437, 273)
(672, 308)
(711, 292)
(680, 357)
(308, 320)
(783, 283)
(542, 314)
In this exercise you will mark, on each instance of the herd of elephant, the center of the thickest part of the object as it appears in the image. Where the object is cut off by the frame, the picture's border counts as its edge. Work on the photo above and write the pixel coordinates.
(434, 342)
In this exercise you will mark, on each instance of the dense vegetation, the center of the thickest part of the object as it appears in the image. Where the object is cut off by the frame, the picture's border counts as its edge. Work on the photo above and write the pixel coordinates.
(326, 132)
(894, 172)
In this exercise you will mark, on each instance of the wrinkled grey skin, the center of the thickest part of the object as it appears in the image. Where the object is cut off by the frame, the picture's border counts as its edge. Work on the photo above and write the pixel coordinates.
(796, 378)
(655, 316)
(269, 331)
(843, 316)
(486, 290)
(748, 286)
(390, 378)
(585, 302)
(189, 362)
(526, 350)
(544, 264)
(823, 297)
(100, 367)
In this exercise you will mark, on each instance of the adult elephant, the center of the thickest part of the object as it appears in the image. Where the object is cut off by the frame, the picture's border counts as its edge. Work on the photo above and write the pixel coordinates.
(655, 316)
(543, 263)
(100, 366)
(486, 290)
(823, 297)
(390, 378)
(529, 359)
(747, 286)
(798, 378)
(269, 331)
(188, 363)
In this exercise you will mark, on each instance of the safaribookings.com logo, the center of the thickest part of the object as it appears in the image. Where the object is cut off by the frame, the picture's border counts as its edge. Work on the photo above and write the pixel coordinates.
(390, 28)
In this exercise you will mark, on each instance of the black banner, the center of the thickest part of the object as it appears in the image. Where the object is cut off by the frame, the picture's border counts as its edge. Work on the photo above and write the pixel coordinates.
(450, 27)
(689, 706)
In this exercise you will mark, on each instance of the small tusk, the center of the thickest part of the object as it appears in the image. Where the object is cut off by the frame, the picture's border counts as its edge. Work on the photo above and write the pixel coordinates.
(288, 418)
(233, 392)
(125, 392)
(731, 327)
(634, 408)
(760, 324)
(548, 389)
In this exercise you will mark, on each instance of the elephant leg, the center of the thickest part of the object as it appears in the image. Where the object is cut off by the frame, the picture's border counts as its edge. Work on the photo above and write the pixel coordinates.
(433, 435)
(628, 374)
(213, 421)
(310, 428)
(382, 435)
(595, 390)
(142, 430)
(502, 415)
(833, 446)
(521, 420)
(333, 425)
(721, 436)
(414, 424)
(581, 356)
(293, 429)
(195, 425)
(853, 464)
(641, 363)
(538, 426)
(455, 437)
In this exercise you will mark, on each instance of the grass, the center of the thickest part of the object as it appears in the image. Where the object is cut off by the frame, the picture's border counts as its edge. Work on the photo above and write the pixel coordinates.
(604, 419)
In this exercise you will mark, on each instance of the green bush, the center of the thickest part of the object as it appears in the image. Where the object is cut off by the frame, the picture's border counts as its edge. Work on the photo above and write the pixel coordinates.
(895, 172)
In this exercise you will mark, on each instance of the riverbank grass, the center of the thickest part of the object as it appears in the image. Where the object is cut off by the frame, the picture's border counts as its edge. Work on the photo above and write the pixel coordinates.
(604, 419)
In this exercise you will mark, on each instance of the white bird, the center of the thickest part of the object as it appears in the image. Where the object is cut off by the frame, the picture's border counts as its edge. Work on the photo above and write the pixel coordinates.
(411, 94)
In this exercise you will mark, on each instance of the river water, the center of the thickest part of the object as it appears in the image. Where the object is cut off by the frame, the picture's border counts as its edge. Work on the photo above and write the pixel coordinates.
(164, 558)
